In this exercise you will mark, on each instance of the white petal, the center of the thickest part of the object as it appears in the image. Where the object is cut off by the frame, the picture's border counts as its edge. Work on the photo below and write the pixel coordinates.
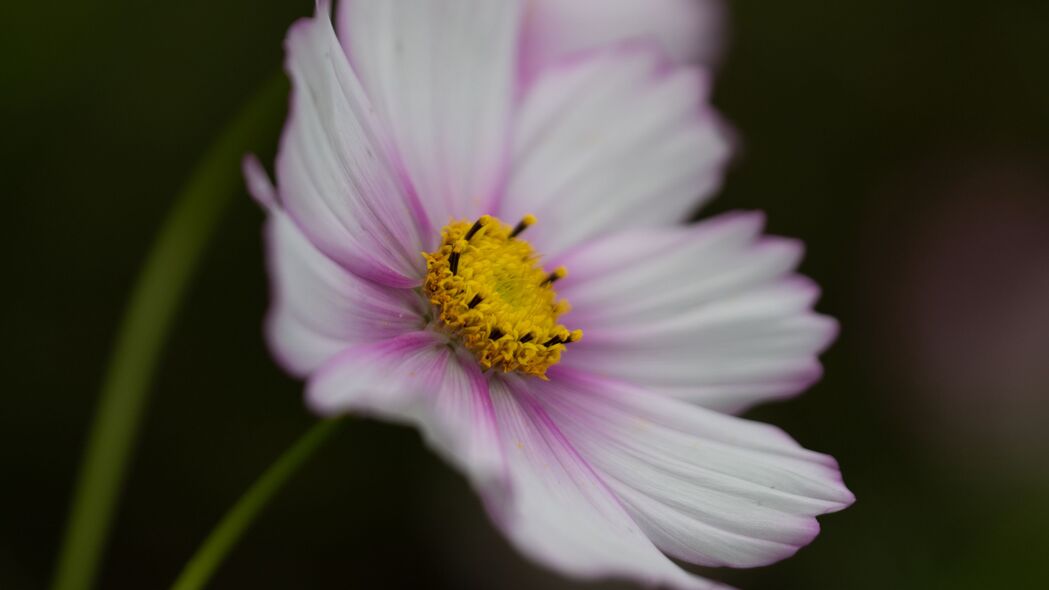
(319, 308)
(712, 313)
(707, 488)
(416, 379)
(688, 30)
(560, 512)
(612, 141)
(441, 75)
(337, 173)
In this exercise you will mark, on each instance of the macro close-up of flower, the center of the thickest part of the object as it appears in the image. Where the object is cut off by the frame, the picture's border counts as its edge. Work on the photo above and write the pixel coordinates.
(525, 295)
(507, 267)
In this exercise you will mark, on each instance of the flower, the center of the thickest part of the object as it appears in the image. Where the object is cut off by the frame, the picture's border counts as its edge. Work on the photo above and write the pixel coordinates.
(498, 257)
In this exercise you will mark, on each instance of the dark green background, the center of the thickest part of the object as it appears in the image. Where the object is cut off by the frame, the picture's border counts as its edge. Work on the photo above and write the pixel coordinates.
(888, 134)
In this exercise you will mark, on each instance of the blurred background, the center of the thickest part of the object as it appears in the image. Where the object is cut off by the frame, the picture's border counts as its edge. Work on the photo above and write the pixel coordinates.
(906, 142)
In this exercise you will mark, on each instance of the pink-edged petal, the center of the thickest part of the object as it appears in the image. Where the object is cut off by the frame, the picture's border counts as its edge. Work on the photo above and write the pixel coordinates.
(441, 76)
(337, 172)
(258, 183)
(417, 379)
(688, 30)
(561, 513)
(706, 487)
(712, 313)
(537, 488)
(319, 308)
(613, 140)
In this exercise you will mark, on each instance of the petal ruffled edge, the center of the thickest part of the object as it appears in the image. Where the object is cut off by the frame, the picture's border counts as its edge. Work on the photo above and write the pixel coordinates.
(706, 487)
(562, 513)
(713, 312)
(535, 485)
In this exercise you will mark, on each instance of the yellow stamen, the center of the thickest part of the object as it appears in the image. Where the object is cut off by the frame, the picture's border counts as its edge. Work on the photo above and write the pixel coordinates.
(492, 294)
(526, 221)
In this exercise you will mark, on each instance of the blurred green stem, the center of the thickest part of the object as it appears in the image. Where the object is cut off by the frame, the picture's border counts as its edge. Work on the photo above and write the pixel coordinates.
(206, 560)
(147, 319)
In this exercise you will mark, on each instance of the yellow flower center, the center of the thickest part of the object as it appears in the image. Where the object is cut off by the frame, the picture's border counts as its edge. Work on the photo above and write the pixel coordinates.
(492, 294)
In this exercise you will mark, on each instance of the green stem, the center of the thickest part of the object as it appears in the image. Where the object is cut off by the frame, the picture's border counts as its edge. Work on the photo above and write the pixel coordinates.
(206, 560)
(147, 319)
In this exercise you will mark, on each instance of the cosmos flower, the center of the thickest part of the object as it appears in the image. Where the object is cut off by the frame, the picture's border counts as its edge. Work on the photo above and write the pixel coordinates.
(500, 259)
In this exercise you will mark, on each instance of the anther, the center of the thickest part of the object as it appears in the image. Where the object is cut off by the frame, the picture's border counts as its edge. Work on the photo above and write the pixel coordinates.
(476, 227)
(501, 283)
(522, 225)
(558, 274)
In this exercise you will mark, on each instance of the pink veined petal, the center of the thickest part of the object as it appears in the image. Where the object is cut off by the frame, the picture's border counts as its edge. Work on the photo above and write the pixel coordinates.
(688, 30)
(337, 173)
(319, 308)
(612, 140)
(712, 313)
(562, 513)
(707, 488)
(417, 379)
(537, 488)
(441, 76)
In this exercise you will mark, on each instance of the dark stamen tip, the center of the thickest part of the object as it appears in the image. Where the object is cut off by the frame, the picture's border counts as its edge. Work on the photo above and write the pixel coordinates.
(495, 334)
(553, 341)
(476, 227)
(473, 302)
(522, 225)
(453, 262)
(557, 275)
(526, 338)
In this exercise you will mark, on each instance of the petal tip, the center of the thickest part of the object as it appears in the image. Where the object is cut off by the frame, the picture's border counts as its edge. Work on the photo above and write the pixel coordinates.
(260, 187)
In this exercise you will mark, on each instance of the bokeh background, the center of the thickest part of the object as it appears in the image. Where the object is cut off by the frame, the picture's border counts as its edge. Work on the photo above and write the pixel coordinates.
(906, 141)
